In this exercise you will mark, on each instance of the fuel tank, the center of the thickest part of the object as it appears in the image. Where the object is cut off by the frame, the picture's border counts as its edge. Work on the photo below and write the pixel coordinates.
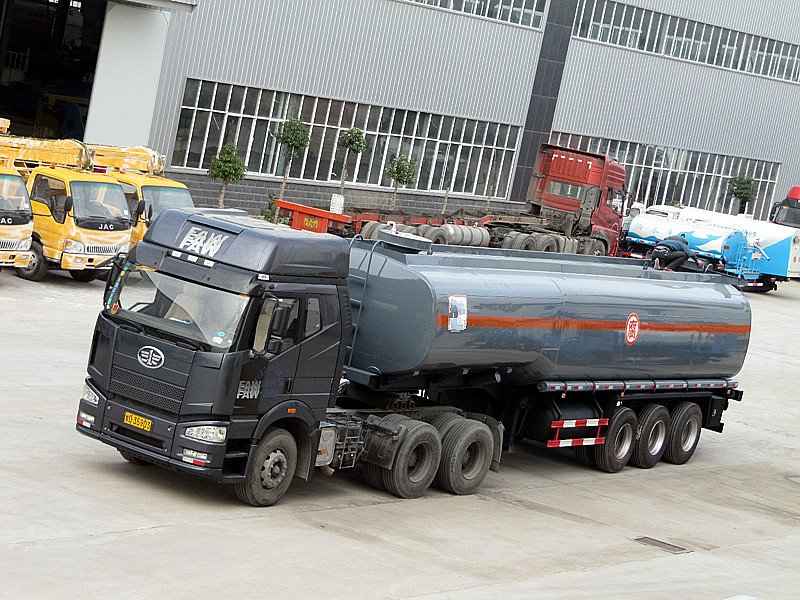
(530, 316)
(728, 245)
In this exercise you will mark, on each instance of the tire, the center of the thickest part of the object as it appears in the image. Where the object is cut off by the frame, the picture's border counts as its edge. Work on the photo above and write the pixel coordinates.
(597, 248)
(466, 457)
(508, 239)
(438, 236)
(134, 460)
(445, 422)
(524, 242)
(84, 276)
(684, 433)
(620, 442)
(546, 243)
(416, 462)
(424, 230)
(369, 229)
(37, 267)
(373, 475)
(585, 456)
(652, 438)
(275, 458)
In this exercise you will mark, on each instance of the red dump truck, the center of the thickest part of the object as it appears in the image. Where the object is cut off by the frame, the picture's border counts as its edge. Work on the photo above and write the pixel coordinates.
(574, 205)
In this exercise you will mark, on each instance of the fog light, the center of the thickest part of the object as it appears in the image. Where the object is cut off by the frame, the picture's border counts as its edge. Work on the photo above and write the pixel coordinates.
(89, 395)
(85, 419)
(207, 433)
(193, 457)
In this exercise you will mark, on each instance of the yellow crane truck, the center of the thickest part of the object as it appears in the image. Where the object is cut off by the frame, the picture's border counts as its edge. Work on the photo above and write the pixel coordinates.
(16, 220)
(140, 172)
(80, 218)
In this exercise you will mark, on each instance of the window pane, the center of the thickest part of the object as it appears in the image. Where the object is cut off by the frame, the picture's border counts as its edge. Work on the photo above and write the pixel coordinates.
(221, 99)
(190, 92)
(182, 137)
(206, 94)
(197, 144)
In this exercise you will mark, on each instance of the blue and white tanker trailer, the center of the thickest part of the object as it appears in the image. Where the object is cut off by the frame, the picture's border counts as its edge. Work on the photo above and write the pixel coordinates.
(724, 248)
(224, 358)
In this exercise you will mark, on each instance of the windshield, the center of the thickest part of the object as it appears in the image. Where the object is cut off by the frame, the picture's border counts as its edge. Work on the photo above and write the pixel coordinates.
(92, 199)
(163, 198)
(788, 215)
(177, 307)
(565, 190)
(13, 195)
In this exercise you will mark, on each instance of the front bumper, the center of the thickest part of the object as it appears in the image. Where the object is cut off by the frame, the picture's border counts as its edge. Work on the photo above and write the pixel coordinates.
(164, 444)
(79, 262)
(14, 259)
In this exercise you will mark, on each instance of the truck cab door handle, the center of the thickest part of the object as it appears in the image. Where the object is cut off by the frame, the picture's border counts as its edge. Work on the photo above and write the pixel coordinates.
(287, 386)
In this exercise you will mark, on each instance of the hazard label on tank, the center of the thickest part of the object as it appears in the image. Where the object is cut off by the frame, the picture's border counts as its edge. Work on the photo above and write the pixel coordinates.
(457, 313)
(632, 329)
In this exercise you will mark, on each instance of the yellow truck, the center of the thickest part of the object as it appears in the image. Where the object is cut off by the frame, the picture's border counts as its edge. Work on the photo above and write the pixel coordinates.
(140, 172)
(16, 220)
(81, 218)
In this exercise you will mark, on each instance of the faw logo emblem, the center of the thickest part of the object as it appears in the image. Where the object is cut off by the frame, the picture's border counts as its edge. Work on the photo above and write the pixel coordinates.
(202, 241)
(106, 226)
(632, 329)
(150, 357)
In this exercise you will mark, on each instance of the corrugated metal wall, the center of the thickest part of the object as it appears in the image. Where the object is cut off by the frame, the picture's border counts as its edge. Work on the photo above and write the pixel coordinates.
(629, 95)
(385, 52)
(778, 19)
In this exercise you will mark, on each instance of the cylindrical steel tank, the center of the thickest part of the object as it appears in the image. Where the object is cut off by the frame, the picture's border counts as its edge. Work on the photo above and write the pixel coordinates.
(543, 316)
(707, 240)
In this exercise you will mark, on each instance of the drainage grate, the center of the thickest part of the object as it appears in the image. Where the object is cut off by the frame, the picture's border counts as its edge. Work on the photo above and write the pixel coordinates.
(648, 541)
(794, 478)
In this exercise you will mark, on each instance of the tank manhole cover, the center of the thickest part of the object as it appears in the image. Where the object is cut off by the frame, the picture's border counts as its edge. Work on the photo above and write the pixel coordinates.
(794, 478)
(648, 541)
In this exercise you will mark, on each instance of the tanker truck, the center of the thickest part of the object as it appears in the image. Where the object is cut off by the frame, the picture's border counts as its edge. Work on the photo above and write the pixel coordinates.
(252, 353)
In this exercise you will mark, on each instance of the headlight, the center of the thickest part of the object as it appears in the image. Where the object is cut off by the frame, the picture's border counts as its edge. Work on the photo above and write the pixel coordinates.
(89, 395)
(73, 247)
(24, 245)
(207, 433)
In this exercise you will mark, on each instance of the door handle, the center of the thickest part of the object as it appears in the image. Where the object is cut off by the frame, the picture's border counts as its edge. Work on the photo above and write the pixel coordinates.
(287, 386)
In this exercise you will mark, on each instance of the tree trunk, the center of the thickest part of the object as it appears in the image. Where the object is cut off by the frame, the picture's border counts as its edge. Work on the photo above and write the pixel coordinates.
(285, 179)
(394, 197)
(344, 170)
(221, 199)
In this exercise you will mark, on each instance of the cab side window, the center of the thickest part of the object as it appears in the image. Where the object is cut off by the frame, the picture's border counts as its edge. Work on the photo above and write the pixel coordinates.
(53, 193)
(313, 317)
(264, 335)
(616, 200)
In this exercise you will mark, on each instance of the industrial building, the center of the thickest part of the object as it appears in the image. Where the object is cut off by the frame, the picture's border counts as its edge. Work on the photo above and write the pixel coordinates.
(685, 94)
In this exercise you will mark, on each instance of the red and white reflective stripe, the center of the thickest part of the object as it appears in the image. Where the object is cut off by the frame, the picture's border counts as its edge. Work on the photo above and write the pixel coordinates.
(579, 423)
(598, 441)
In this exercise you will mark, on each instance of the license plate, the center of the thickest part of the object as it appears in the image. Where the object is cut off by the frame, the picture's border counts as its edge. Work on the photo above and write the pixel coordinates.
(138, 422)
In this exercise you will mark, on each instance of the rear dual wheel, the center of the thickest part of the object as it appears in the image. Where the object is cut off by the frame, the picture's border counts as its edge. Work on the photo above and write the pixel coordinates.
(684, 433)
(620, 442)
(653, 431)
(416, 461)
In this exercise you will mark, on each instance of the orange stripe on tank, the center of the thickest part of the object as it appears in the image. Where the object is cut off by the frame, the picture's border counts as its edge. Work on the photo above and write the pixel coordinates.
(593, 325)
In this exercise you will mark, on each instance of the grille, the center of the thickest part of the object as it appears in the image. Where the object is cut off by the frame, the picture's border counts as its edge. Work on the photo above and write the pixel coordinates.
(8, 244)
(103, 249)
(153, 392)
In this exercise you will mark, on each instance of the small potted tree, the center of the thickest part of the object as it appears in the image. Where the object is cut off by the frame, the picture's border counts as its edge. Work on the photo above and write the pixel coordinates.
(401, 171)
(228, 167)
(294, 137)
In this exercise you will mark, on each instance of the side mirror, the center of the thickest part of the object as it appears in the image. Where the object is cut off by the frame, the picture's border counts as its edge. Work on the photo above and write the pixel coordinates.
(138, 213)
(280, 321)
(69, 204)
(774, 211)
(149, 215)
(274, 347)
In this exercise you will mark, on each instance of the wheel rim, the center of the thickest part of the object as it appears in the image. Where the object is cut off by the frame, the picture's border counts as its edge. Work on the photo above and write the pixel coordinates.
(657, 437)
(419, 462)
(273, 471)
(472, 461)
(623, 441)
(689, 435)
(32, 263)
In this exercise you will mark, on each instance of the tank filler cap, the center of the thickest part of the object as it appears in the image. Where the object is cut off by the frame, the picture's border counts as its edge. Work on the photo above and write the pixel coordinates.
(408, 243)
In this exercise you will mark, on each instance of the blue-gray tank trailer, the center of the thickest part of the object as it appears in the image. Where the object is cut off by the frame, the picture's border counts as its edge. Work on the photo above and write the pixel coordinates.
(251, 353)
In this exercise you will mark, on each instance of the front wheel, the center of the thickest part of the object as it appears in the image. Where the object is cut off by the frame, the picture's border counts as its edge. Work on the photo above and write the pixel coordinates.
(271, 469)
(85, 276)
(37, 266)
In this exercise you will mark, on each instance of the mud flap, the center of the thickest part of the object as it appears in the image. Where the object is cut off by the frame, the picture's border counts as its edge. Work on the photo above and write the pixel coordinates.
(381, 441)
(497, 430)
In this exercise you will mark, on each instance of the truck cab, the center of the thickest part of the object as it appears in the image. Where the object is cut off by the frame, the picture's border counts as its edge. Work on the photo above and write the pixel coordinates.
(579, 194)
(81, 220)
(213, 331)
(16, 220)
(787, 212)
(148, 196)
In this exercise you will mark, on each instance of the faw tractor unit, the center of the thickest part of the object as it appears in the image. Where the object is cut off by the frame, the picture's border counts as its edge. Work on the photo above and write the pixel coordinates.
(575, 205)
(252, 353)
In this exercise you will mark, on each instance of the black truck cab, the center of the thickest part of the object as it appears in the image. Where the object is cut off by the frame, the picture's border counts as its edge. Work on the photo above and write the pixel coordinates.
(214, 329)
